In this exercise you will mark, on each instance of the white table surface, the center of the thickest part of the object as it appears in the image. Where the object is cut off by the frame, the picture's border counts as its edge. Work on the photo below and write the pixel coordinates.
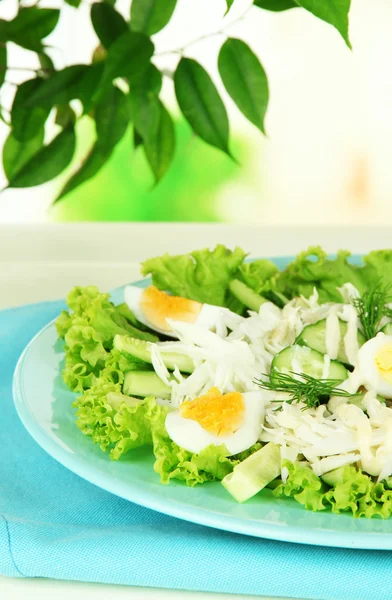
(41, 262)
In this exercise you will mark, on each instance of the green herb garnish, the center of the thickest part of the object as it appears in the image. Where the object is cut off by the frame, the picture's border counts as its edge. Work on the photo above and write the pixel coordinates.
(307, 389)
(372, 307)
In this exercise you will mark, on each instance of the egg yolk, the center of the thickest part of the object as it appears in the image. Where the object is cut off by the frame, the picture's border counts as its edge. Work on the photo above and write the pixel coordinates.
(383, 361)
(158, 306)
(219, 414)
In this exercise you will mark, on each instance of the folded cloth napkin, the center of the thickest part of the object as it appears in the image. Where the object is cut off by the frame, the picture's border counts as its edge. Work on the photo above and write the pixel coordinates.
(55, 524)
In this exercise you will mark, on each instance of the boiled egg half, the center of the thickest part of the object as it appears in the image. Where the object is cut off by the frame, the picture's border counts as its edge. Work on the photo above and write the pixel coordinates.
(375, 364)
(232, 419)
(152, 307)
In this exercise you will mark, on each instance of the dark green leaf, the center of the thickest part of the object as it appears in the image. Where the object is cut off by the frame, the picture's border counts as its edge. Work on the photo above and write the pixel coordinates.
(229, 4)
(150, 16)
(3, 62)
(49, 162)
(201, 104)
(112, 116)
(245, 80)
(77, 81)
(30, 26)
(16, 154)
(276, 5)
(65, 116)
(334, 12)
(46, 63)
(93, 162)
(74, 3)
(26, 122)
(137, 139)
(145, 113)
(149, 80)
(128, 56)
(108, 23)
(159, 145)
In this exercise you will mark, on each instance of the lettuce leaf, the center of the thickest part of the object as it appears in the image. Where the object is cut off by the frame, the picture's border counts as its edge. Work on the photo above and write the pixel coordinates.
(313, 268)
(172, 462)
(88, 331)
(202, 275)
(259, 275)
(121, 424)
(354, 491)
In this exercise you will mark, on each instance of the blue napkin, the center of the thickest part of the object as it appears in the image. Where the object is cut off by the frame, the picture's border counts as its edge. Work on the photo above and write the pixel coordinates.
(54, 524)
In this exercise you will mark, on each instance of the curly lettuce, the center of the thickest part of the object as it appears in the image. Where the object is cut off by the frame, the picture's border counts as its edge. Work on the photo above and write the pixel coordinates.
(88, 330)
(205, 275)
(351, 491)
(202, 275)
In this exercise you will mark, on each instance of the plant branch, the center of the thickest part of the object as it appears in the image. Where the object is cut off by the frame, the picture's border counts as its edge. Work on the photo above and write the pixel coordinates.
(222, 31)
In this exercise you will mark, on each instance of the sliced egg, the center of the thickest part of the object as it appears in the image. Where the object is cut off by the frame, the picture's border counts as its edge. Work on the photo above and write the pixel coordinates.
(152, 307)
(232, 419)
(375, 364)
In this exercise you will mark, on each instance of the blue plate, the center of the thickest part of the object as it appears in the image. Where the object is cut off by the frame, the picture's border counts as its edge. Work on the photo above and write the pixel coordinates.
(44, 405)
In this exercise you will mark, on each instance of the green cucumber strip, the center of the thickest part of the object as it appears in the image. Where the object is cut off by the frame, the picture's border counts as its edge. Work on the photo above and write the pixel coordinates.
(141, 350)
(314, 336)
(145, 383)
(246, 295)
(305, 360)
(254, 473)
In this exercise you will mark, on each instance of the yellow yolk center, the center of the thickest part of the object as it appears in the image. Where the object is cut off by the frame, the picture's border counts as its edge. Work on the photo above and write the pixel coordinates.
(383, 361)
(158, 306)
(219, 414)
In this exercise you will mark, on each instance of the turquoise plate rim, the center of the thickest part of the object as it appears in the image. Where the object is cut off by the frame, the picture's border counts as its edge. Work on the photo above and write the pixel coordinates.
(324, 534)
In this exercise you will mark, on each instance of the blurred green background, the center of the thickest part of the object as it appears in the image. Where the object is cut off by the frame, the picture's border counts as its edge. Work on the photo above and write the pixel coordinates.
(124, 189)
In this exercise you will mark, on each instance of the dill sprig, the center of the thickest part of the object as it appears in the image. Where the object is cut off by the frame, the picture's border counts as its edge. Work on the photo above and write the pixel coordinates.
(372, 307)
(307, 389)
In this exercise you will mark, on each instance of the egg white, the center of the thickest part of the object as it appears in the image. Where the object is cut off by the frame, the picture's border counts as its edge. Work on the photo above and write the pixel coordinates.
(370, 375)
(208, 317)
(191, 436)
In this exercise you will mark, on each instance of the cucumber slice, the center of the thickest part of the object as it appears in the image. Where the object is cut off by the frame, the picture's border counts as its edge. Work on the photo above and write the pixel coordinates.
(254, 473)
(246, 295)
(314, 336)
(145, 383)
(387, 329)
(301, 359)
(357, 399)
(141, 350)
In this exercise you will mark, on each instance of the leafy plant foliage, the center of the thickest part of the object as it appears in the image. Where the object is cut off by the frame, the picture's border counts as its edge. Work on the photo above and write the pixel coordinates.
(121, 88)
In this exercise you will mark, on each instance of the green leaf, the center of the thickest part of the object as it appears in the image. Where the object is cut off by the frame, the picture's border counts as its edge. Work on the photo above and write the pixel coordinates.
(150, 16)
(92, 163)
(229, 4)
(16, 154)
(65, 115)
(112, 116)
(137, 139)
(108, 23)
(276, 5)
(334, 12)
(74, 3)
(245, 80)
(201, 104)
(159, 144)
(46, 63)
(128, 56)
(30, 26)
(48, 162)
(77, 81)
(26, 122)
(149, 80)
(3, 62)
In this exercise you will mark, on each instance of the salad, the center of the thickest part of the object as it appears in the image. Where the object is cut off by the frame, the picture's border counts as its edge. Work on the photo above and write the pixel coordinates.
(234, 371)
